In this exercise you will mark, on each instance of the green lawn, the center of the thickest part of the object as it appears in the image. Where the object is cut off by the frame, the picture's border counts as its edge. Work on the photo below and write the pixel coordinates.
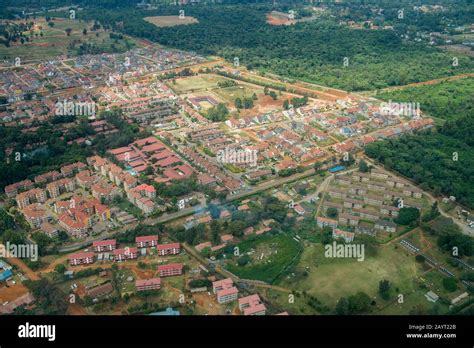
(229, 94)
(414, 301)
(278, 252)
(329, 279)
(196, 83)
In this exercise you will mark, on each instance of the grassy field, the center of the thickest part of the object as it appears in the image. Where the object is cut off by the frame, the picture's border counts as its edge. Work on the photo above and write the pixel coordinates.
(229, 94)
(278, 253)
(170, 21)
(329, 279)
(416, 302)
(48, 42)
(196, 83)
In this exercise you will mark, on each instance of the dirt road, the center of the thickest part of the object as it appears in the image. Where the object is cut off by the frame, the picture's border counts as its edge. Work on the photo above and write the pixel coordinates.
(23, 267)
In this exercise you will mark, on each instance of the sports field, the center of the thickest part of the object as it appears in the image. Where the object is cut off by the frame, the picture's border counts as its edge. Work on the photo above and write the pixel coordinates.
(329, 279)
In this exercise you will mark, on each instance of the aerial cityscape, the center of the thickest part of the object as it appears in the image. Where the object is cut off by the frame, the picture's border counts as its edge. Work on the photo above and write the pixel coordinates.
(237, 158)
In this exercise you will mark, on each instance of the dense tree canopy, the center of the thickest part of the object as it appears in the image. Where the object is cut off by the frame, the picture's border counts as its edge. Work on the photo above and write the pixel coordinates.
(441, 160)
(314, 50)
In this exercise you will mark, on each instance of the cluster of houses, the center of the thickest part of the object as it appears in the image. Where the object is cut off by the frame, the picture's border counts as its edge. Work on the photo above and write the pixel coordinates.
(351, 145)
(152, 153)
(365, 202)
(226, 292)
(287, 146)
(249, 121)
(107, 249)
(114, 68)
(211, 173)
(41, 205)
(145, 103)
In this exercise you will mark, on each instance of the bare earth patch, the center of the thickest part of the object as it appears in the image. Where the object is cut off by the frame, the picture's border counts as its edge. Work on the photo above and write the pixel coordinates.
(170, 21)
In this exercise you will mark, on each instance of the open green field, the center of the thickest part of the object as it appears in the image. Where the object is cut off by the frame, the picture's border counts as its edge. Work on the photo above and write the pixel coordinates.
(170, 21)
(196, 83)
(47, 42)
(229, 94)
(414, 303)
(329, 279)
(269, 256)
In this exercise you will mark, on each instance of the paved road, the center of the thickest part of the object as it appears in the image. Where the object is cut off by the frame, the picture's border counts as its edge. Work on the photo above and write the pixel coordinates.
(188, 211)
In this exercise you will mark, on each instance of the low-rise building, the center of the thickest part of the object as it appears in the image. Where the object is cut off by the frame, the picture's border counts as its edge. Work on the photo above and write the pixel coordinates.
(172, 269)
(347, 236)
(83, 258)
(168, 249)
(347, 219)
(386, 226)
(222, 284)
(148, 284)
(146, 241)
(323, 222)
(125, 254)
(252, 305)
(227, 295)
(101, 290)
(104, 245)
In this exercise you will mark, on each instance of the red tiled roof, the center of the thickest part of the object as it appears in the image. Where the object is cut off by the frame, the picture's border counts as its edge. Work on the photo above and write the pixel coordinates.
(123, 251)
(82, 255)
(146, 238)
(254, 309)
(148, 282)
(228, 291)
(170, 267)
(104, 242)
(168, 246)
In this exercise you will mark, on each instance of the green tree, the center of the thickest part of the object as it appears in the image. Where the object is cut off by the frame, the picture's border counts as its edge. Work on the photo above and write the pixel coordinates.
(363, 167)
(450, 284)
(384, 289)
(332, 213)
(342, 306)
(238, 103)
(407, 216)
(60, 269)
